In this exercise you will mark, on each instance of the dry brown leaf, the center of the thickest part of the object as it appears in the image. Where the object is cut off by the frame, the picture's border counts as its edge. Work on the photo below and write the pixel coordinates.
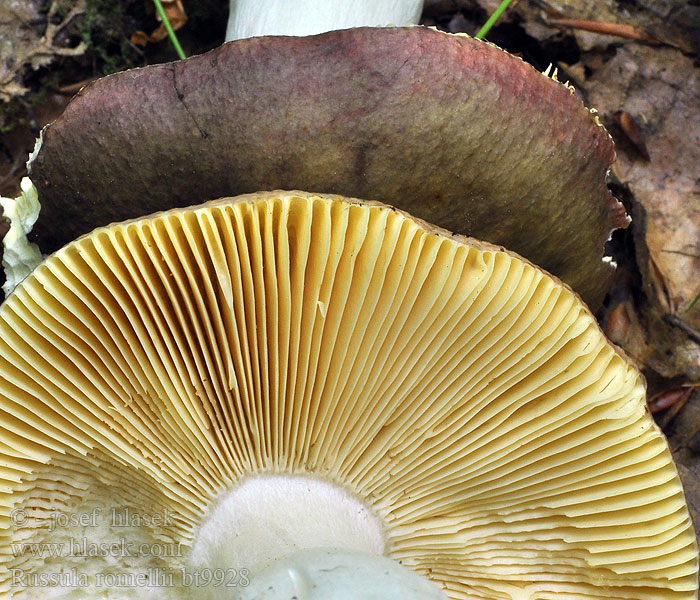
(177, 17)
(671, 22)
(659, 88)
(667, 398)
(140, 38)
(633, 132)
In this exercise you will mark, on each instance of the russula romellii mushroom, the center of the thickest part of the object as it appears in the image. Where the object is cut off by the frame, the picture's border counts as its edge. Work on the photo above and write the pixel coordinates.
(287, 376)
(250, 18)
(450, 128)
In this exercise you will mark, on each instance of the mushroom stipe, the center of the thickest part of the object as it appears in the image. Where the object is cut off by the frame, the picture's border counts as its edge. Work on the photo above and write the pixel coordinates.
(462, 405)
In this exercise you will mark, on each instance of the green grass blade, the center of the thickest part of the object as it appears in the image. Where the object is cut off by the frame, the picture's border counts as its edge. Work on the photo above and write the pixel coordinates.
(492, 19)
(693, 303)
(170, 30)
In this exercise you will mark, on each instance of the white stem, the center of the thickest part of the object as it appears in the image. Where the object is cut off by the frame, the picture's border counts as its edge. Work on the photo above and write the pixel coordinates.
(251, 18)
(323, 573)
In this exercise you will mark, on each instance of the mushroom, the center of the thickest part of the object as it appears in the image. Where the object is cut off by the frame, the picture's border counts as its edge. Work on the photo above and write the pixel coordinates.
(251, 18)
(450, 128)
(254, 386)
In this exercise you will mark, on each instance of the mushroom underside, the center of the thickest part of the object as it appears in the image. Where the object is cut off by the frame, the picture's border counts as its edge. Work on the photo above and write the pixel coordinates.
(460, 396)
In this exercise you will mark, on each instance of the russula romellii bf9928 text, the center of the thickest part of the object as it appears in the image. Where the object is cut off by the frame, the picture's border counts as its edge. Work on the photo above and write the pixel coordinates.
(449, 128)
(284, 373)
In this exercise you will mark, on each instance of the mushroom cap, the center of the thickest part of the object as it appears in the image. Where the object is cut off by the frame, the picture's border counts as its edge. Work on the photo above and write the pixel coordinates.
(452, 129)
(467, 398)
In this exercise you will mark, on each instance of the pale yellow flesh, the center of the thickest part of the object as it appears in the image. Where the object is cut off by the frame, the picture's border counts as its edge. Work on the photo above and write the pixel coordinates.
(466, 397)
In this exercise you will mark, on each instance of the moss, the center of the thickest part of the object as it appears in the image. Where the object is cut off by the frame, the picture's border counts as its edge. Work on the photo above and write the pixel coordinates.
(47, 85)
(103, 28)
(11, 115)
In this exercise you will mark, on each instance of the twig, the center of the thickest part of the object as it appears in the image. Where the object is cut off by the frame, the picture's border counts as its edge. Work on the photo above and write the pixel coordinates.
(53, 29)
(616, 29)
(676, 321)
(671, 413)
(688, 254)
(665, 399)
(71, 89)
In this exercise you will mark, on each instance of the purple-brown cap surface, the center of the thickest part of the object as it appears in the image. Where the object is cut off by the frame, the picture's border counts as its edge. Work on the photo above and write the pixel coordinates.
(449, 128)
